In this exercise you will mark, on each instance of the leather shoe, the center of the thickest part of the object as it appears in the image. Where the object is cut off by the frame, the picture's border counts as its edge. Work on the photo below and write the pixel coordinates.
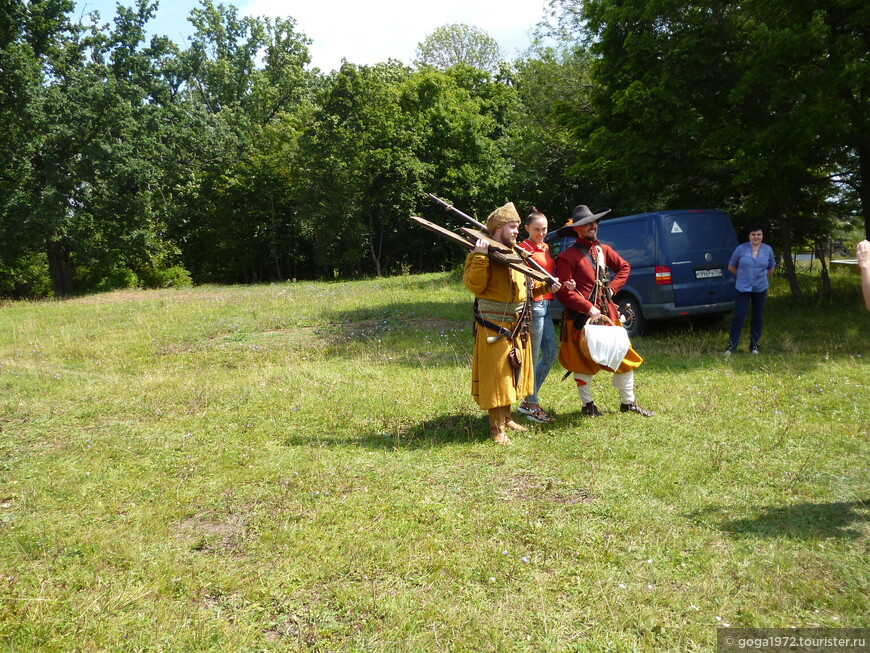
(634, 408)
(508, 422)
(590, 410)
(496, 426)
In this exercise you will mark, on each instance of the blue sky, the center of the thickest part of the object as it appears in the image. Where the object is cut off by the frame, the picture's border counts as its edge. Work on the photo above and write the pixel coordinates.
(361, 32)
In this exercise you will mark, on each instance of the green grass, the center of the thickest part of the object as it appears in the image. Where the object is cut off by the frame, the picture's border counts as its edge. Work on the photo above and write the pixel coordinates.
(301, 467)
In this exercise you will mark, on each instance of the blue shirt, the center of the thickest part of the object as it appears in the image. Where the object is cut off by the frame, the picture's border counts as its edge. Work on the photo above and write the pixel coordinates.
(752, 272)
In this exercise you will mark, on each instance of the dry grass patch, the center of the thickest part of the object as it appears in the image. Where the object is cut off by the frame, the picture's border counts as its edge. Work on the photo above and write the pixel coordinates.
(212, 534)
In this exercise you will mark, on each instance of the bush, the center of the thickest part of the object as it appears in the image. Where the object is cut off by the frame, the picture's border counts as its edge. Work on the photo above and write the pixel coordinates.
(172, 277)
(26, 278)
(91, 280)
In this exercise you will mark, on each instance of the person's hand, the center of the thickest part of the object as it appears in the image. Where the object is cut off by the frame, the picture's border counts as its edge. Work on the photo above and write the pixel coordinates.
(863, 254)
(481, 246)
(594, 314)
(570, 284)
(554, 287)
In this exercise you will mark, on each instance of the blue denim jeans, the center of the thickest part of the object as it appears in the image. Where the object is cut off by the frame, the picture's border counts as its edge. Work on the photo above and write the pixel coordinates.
(544, 345)
(741, 306)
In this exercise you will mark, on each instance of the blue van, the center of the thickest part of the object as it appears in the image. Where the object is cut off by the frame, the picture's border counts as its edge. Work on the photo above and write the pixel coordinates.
(679, 265)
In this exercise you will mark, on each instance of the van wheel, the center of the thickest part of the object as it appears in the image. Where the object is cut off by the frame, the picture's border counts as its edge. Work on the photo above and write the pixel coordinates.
(630, 309)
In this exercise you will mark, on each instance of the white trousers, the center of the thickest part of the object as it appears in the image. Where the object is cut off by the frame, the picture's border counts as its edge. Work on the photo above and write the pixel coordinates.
(622, 382)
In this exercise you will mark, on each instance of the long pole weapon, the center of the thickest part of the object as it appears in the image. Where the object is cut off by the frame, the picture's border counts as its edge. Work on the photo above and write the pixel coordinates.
(497, 251)
(528, 260)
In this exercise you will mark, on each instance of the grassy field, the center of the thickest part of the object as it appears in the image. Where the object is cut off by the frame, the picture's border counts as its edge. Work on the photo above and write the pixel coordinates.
(300, 467)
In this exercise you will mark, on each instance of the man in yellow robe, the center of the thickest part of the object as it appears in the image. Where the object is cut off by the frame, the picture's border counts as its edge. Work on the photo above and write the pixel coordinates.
(502, 293)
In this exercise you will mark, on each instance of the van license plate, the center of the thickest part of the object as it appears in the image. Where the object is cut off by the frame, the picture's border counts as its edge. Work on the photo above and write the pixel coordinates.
(708, 274)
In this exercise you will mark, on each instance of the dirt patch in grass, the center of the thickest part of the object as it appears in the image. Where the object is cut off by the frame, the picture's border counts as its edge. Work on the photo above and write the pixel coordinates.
(174, 349)
(571, 498)
(207, 533)
(295, 628)
(314, 621)
(535, 487)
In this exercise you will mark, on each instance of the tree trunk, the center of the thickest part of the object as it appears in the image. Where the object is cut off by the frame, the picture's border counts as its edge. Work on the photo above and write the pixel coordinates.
(59, 269)
(275, 231)
(376, 253)
(826, 278)
(375, 259)
(787, 258)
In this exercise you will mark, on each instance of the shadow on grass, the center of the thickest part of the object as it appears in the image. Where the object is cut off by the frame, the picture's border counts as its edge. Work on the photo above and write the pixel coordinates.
(414, 334)
(805, 521)
(461, 428)
(414, 315)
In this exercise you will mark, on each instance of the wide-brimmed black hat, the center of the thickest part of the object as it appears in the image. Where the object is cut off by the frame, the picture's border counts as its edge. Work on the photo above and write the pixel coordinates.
(581, 215)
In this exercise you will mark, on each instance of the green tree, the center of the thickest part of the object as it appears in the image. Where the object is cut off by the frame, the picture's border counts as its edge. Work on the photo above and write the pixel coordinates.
(460, 116)
(659, 82)
(235, 218)
(539, 147)
(785, 126)
(360, 177)
(76, 183)
(740, 105)
(458, 43)
(380, 138)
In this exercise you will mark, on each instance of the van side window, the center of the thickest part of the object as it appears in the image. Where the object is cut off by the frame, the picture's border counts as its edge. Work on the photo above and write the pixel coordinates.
(559, 245)
(633, 241)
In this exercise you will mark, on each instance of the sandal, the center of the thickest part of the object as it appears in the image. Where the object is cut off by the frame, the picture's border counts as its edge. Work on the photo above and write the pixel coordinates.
(525, 408)
(538, 415)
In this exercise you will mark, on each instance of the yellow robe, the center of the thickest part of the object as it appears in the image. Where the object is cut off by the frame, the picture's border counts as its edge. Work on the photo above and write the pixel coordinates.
(492, 379)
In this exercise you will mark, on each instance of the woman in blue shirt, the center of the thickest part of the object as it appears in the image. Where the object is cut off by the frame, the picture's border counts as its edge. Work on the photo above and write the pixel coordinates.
(752, 263)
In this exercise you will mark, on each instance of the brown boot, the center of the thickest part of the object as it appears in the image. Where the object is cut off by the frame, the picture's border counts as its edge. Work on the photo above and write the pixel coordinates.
(512, 425)
(496, 426)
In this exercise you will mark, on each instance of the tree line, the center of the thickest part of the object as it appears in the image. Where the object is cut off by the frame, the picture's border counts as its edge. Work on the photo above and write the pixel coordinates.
(133, 161)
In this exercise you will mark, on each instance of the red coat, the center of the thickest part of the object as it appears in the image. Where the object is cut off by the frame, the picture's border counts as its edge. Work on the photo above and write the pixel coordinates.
(574, 264)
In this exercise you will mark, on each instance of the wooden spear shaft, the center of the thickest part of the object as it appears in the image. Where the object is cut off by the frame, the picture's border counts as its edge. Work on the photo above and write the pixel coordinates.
(528, 260)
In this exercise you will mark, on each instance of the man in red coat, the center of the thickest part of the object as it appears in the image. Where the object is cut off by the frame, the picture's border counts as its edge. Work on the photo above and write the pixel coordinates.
(589, 264)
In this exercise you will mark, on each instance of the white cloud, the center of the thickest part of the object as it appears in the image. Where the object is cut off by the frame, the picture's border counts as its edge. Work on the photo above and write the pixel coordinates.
(371, 32)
